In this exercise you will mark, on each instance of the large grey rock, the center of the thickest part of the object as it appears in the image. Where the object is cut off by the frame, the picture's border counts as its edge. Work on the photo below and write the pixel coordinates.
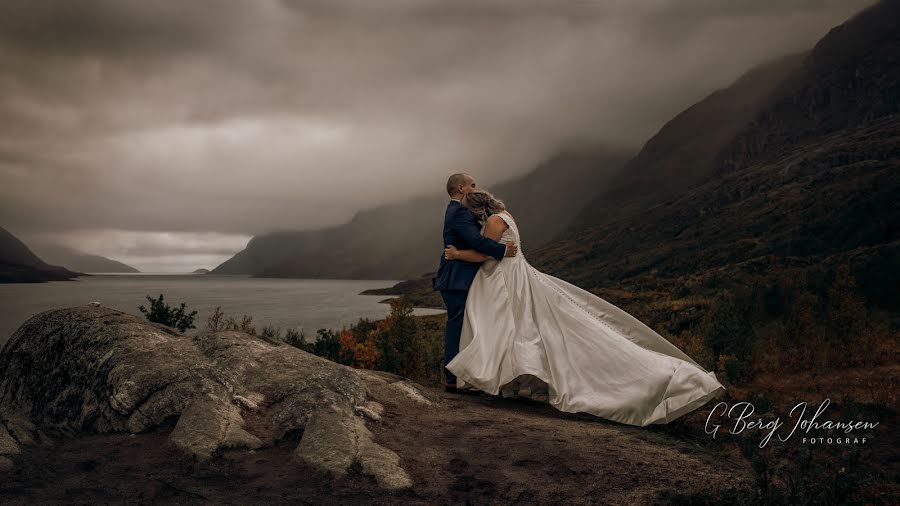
(97, 369)
(335, 442)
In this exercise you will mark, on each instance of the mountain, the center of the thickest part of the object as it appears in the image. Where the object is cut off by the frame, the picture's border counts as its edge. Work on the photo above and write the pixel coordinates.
(683, 152)
(200, 271)
(78, 260)
(19, 265)
(794, 167)
(808, 179)
(404, 240)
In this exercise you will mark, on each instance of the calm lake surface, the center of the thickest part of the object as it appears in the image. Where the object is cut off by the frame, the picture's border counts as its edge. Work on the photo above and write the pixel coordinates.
(307, 304)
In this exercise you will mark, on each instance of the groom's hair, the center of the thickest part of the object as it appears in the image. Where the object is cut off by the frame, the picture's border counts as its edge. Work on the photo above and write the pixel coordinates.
(454, 181)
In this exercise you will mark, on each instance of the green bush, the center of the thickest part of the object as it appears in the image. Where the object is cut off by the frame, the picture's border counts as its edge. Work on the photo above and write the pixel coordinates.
(326, 345)
(160, 312)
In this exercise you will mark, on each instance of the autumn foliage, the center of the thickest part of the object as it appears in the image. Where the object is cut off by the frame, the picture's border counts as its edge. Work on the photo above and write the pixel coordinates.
(400, 344)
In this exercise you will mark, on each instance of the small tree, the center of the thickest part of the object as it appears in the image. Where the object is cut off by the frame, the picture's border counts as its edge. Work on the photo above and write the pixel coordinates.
(160, 312)
(216, 321)
(401, 351)
(327, 345)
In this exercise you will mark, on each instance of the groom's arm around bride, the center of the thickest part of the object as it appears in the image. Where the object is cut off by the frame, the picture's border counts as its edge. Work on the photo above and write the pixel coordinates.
(462, 230)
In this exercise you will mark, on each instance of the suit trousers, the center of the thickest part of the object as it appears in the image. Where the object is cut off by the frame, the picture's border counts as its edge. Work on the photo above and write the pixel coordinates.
(455, 300)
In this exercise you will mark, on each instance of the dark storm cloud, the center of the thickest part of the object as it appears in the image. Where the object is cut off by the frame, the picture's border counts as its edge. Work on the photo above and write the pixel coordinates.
(239, 117)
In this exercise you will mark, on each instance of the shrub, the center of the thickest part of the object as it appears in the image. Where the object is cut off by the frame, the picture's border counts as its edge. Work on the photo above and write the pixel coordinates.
(219, 321)
(326, 345)
(160, 312)
(270, 332)
(398, 344)
(245, 324)
(732, 369)
(295, 338)
(727, 328)
(692, 345)
(216, 321)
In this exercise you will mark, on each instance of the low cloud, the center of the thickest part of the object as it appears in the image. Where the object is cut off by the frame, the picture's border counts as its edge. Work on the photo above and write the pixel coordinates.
(239, 117)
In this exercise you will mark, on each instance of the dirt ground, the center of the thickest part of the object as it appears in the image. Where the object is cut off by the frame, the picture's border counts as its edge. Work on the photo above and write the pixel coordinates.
(467, 449)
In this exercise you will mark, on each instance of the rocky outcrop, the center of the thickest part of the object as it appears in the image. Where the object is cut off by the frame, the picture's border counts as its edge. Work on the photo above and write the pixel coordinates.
(92, 369)
(228, 417)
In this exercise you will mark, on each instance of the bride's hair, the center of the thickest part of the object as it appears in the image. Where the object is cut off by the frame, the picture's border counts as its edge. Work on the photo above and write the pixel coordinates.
(482, 204)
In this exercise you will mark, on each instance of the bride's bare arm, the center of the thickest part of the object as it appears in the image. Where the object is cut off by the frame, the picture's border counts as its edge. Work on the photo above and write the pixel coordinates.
(494, 230)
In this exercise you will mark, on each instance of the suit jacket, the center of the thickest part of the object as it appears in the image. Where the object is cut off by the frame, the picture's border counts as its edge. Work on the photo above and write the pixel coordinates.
(462, 230)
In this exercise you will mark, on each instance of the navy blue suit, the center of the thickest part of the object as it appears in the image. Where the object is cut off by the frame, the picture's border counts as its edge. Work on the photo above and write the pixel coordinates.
(454, 277)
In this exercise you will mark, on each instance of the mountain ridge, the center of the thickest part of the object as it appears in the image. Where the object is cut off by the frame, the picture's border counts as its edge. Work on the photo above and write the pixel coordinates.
(807, 176)
(736, 218)
(78, 260)
(18, 264)
(403, 240)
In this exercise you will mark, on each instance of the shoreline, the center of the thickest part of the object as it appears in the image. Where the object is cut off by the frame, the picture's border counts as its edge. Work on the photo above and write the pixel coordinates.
(418, 292)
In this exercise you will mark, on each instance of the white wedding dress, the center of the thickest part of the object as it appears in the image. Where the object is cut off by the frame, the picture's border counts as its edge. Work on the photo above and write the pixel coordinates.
(593, 356)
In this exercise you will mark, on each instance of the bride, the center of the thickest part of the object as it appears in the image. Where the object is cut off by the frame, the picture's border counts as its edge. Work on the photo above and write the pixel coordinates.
(590, 356)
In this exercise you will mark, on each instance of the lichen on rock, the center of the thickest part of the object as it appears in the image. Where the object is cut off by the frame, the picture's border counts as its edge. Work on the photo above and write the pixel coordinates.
(93, 369)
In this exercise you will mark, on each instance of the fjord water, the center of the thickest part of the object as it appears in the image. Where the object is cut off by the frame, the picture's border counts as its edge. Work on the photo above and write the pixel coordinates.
(307, 304)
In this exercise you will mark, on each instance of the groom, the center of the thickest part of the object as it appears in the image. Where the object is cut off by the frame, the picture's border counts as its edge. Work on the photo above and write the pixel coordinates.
(454, 277)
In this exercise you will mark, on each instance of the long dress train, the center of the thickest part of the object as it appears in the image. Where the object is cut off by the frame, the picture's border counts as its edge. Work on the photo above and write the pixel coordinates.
(593, 356)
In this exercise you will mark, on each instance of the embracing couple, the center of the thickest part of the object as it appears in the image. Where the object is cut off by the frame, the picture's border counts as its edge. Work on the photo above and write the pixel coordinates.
(515, 331)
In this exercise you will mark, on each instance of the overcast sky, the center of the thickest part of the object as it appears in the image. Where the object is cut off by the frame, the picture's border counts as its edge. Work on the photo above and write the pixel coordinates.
(166, 133)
